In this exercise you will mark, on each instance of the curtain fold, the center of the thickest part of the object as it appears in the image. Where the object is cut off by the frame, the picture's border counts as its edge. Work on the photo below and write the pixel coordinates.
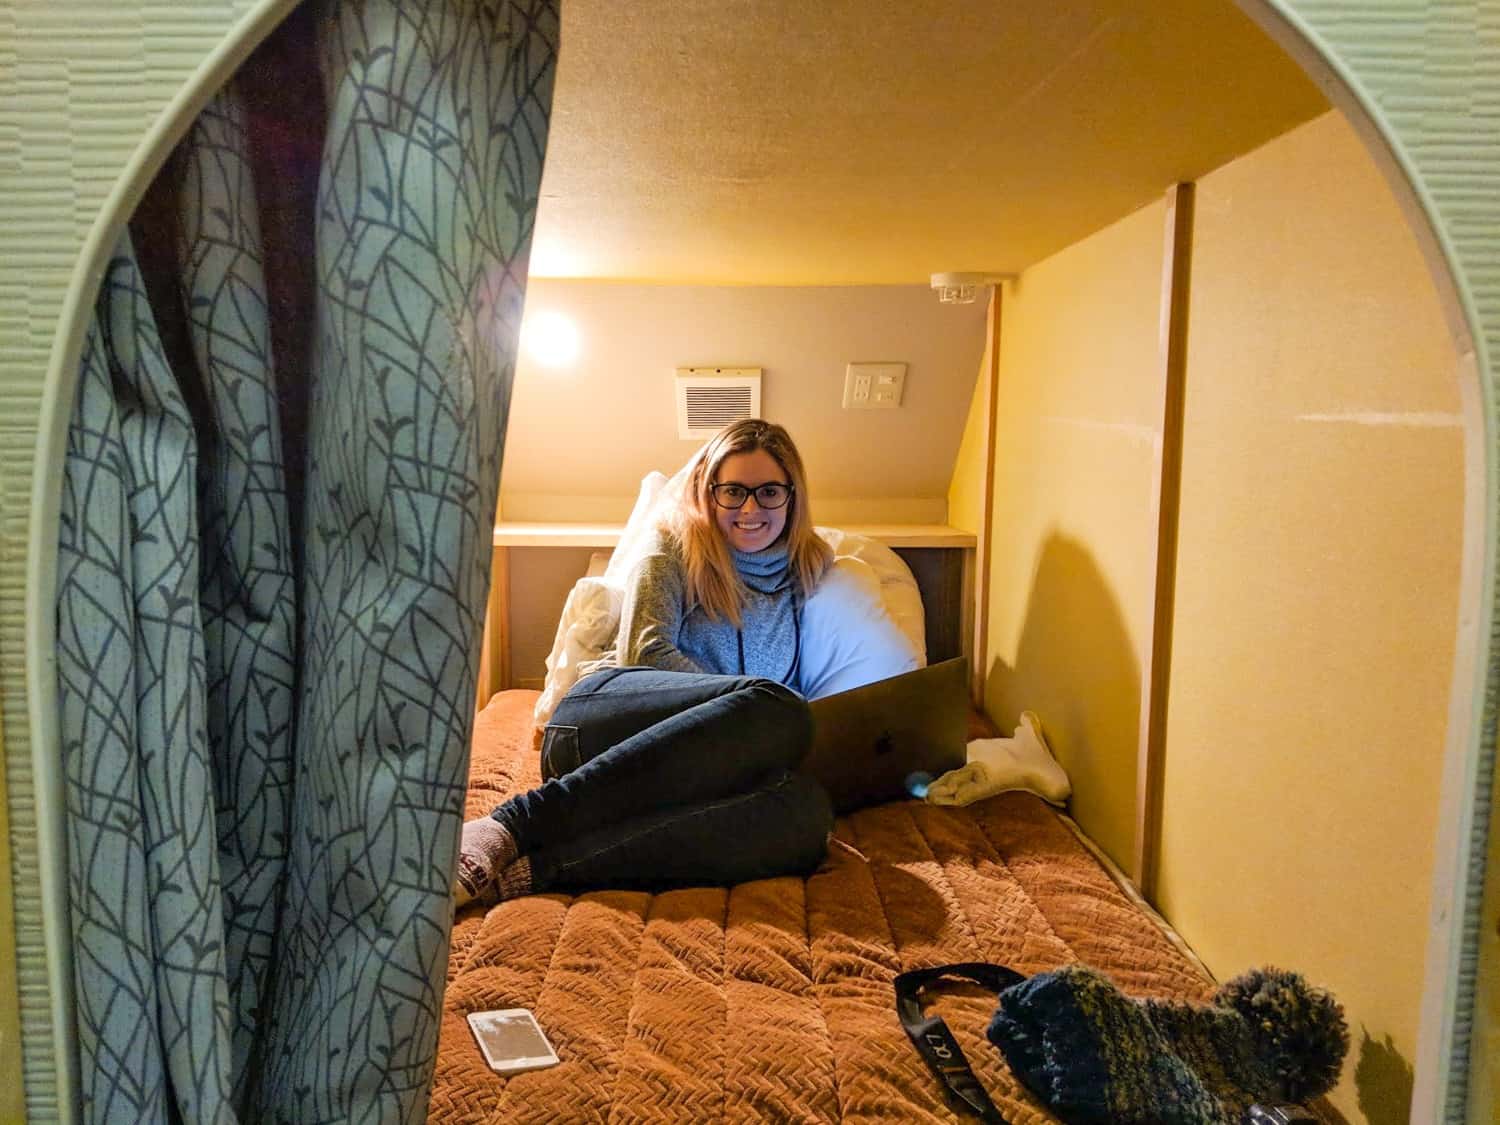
(247, 591)
(266, 736)
(148, 935)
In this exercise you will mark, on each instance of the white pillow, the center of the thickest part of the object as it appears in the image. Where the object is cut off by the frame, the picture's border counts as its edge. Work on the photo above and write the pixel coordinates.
(591, 615)
(849, 636)
(590, 618)
(898, 589)
(657, 496)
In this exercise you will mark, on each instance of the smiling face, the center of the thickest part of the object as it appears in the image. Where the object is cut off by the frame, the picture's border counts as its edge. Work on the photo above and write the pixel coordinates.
(751, 527)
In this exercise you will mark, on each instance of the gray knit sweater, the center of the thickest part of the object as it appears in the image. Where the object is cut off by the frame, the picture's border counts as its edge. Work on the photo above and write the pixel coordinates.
(659, 629)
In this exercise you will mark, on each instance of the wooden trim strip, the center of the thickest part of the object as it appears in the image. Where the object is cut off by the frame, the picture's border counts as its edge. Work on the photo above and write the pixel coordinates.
(984, 548)
(498, 632)
(484, 686)
(1166, 498)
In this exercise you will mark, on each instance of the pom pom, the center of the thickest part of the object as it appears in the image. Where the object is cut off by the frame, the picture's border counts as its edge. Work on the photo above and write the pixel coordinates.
(1299, 1031)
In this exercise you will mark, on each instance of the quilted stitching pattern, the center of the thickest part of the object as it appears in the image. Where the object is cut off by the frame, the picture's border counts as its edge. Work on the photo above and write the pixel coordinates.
(772, 1001)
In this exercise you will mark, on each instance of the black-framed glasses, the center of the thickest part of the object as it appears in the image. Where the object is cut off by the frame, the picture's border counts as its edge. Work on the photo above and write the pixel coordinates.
(771, 495)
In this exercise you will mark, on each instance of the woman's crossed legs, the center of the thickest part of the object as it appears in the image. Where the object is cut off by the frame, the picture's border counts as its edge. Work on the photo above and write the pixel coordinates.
(658, 779)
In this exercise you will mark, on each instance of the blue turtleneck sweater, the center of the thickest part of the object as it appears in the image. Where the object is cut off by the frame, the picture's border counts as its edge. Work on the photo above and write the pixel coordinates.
(659, 629)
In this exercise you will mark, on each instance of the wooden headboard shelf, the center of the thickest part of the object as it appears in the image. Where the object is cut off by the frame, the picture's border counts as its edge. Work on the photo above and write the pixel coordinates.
(608, 534)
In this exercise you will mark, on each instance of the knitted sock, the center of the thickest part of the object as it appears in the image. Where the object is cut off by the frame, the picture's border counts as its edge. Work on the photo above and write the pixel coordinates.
(1094, 1055)
(514, 882)
(485, 849)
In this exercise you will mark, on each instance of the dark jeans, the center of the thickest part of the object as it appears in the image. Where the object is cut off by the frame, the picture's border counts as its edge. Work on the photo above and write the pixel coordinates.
(660, 779)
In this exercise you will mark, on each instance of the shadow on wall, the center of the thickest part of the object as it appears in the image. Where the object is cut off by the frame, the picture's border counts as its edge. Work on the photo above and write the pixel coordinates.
(1384, 1080)
(1077, 668)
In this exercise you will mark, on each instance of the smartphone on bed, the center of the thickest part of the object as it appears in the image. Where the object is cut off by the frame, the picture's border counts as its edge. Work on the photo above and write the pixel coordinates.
(511, 1040)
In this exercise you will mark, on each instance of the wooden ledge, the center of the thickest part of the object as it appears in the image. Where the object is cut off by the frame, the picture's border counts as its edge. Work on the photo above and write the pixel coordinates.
(608, 534)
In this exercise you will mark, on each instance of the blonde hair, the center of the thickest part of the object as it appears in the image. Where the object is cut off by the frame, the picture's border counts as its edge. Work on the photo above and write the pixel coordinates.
(712, 581)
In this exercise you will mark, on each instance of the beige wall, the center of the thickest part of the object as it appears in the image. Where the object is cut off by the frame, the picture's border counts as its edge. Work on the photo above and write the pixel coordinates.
(1317, 592)
(540, 579)
(1317, 571)
(12, 1099)
(1076, 440)
(966, 488)
(581, 437)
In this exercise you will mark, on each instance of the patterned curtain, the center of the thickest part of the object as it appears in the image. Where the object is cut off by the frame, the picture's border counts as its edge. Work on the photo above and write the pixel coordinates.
(273, 568)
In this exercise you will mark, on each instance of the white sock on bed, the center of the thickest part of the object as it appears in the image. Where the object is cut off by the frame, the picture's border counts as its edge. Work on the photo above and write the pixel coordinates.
(485, 850)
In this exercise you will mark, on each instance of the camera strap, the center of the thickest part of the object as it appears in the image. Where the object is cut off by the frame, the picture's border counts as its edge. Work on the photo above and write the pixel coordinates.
(935, 1043)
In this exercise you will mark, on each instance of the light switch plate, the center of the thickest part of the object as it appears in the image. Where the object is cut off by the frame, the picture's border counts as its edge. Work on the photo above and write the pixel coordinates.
(873, 386)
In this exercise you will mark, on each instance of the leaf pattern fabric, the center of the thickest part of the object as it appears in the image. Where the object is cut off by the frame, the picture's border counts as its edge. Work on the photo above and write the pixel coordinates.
(248, 593)
(266, 740)
(151, 996)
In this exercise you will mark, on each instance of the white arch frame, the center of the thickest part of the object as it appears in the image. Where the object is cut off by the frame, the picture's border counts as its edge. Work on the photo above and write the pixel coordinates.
(1313, 32)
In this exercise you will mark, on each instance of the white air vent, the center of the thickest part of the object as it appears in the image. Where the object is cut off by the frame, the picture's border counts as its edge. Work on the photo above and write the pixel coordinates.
(710, 398)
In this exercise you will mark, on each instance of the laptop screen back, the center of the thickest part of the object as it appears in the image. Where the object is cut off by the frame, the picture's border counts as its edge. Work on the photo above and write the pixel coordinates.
(869, 741)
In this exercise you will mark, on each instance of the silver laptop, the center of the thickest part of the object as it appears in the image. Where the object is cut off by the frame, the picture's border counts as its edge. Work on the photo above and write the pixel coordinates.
(875, 743)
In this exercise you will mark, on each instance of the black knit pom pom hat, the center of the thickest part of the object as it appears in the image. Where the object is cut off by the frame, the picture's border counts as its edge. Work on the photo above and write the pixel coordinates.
(1096, 1057)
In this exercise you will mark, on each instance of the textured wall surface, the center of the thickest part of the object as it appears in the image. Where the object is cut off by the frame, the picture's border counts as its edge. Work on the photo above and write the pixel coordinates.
(1318, 559)
(1431, 71)
(587, 431)
(1076, 433)
(81, 83)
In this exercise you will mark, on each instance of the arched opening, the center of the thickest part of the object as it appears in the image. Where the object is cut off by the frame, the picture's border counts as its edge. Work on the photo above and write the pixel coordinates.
(1464, 749)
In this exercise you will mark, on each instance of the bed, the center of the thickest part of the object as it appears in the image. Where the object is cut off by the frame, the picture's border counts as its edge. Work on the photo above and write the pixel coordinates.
(772, 1000)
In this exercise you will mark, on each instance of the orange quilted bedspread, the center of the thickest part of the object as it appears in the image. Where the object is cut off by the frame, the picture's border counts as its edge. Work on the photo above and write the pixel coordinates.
(772, 1001)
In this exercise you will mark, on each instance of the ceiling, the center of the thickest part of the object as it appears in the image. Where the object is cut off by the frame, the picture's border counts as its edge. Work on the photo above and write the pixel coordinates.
(847, 142)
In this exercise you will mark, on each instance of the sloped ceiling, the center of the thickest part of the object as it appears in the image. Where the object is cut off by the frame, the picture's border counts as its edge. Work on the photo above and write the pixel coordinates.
(838, 142)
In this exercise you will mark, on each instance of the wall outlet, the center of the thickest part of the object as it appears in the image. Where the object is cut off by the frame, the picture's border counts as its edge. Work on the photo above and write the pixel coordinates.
(873, 386)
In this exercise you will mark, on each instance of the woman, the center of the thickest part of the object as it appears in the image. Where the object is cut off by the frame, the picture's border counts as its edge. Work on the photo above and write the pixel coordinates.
(670, 763)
